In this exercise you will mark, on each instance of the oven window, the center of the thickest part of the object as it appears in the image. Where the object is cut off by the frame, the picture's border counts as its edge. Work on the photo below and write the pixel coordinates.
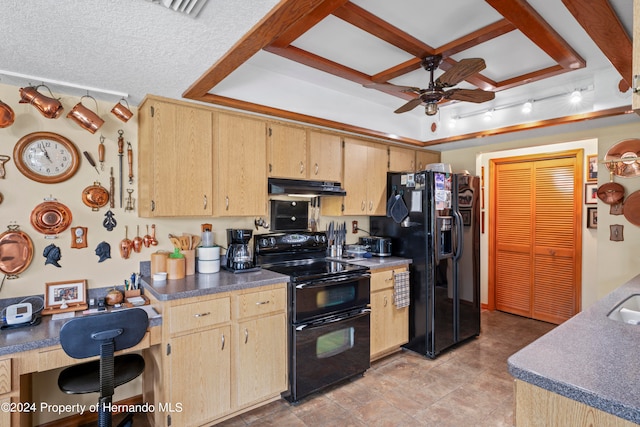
(335, 342)
(335, 296)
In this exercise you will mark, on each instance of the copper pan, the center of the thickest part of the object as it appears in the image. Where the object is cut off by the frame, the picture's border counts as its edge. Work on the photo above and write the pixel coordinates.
(16, 252)
(623, 158)
(126, 244)
(84, 117)
(49, 107)
(611, 192)
(7, 115)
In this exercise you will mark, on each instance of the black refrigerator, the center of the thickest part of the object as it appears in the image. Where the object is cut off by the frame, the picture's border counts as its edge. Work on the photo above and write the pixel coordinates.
(433, 218)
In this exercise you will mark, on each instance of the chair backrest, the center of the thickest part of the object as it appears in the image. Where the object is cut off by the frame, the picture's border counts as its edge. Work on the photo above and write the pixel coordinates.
(82, 337)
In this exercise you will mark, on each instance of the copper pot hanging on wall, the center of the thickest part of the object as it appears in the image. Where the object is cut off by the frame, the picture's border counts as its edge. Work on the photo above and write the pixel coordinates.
(49, 107)
(6, 115)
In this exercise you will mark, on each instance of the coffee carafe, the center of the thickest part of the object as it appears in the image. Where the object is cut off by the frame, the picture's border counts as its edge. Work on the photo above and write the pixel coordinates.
(239, 256)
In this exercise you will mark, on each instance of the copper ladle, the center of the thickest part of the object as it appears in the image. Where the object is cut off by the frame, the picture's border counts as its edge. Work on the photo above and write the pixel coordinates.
(146, 240)
(154, 242)
(125, 244)
(137, 241)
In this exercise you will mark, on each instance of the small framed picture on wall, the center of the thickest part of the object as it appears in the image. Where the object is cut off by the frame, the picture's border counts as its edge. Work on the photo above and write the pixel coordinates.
(591, 194)
(592, 167)
(592, 217)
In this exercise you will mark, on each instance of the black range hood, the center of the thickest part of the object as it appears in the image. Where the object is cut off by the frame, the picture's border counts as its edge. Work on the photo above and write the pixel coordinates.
(302, 187)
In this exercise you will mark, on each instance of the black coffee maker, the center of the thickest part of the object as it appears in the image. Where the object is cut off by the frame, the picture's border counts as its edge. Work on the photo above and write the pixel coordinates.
(239, 256)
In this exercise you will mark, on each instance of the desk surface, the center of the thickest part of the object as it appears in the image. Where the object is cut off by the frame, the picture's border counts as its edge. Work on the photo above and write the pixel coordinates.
(45, 334)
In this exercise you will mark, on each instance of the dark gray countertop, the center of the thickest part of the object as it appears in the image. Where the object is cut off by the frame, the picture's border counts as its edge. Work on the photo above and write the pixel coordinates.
(589, 358)
(45, 334)
(377, 261)
(206, 284)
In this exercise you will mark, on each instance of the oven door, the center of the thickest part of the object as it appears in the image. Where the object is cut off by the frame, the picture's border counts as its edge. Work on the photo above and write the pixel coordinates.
(328, 350)
(318, 298)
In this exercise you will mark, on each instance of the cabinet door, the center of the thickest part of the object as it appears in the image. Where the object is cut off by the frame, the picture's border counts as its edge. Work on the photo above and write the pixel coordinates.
(241, 169)
(261, 359)
(376, 180)
(182, 159)
(423, 158)
(325, 157)
(287, 152)
(389, 324)
(200, 378)
(402, 159)
(356, 176)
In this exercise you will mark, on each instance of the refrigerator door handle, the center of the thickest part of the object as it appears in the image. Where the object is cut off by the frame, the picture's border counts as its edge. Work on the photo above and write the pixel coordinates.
(459, 237)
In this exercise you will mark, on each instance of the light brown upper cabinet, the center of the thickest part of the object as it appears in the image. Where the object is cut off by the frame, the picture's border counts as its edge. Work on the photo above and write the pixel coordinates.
(239, 168)
(423, 158)
(287, 151)
(175, 154)
(401, 159)
(365, 177)
(297, 153)
(325, 156)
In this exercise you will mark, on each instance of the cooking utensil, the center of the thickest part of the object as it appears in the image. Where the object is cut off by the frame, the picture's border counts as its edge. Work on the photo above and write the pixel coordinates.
(89, 158)
(125, 244)
(154, 242)
(611, 192)
(16, 251)
(137, 241)
(632, 208)
(175, 241)
(130, 161)
(7, 115)
(147, 239)
(50, 108)
(623, 158)
(95, 196)
(51, 217)
(120, 154)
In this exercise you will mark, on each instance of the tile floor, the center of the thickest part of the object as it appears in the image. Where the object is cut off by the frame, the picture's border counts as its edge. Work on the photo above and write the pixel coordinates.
(469, 386)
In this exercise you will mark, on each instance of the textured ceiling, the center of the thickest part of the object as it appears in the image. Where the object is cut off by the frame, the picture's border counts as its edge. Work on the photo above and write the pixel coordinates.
(137, 47)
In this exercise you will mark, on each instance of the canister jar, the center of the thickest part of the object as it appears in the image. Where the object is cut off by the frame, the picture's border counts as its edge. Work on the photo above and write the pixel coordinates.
(175, 268)
(159, 261)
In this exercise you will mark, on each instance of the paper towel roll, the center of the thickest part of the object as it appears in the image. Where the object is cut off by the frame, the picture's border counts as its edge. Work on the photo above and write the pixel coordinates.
(209, 253)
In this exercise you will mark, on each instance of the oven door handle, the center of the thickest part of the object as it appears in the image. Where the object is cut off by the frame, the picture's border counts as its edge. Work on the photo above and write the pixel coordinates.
(321, 323)
(323, 283)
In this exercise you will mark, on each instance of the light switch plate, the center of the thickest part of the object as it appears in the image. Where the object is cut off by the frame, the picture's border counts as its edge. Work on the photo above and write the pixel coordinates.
(78, 237)
(616, 232)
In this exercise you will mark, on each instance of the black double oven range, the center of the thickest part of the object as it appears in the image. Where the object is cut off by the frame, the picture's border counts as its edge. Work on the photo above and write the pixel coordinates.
(328, 310)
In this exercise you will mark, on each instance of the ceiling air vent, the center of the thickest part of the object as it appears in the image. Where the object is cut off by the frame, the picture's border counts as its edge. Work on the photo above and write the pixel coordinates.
(188, 7)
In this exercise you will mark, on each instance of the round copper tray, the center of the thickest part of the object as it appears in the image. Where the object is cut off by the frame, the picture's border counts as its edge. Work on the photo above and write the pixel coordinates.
(51, 218)
(95, 196)
(632, 208)
(628, 149)
(16, 252)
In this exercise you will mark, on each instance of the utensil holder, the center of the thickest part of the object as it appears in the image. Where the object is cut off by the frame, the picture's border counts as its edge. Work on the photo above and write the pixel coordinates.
(190, 261)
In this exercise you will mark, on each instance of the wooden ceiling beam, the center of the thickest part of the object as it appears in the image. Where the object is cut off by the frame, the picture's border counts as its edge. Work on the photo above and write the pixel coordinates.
(601, 22)
(275, 23)
(475, 38)
(375, 26)
(536, 29)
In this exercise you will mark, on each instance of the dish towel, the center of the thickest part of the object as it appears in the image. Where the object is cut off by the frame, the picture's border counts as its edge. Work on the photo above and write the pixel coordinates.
(401, 289)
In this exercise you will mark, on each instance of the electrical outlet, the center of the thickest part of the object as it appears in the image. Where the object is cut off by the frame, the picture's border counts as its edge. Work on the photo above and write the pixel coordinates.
(354, 227)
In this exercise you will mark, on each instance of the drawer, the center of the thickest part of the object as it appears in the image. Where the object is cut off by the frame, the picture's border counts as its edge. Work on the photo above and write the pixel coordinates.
(383, 279)
(261, 302)
(199, 314)
(5, 376)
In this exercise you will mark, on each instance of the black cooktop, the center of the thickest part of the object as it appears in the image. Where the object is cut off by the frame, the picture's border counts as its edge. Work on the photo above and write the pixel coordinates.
(302, 270)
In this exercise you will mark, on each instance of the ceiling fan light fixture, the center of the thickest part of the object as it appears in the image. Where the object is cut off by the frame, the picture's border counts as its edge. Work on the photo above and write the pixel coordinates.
(527, 107)
(453, 121)
(431, 109)
(488, 115)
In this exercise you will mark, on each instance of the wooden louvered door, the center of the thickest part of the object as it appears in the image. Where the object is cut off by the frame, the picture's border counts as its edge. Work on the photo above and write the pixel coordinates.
(536, 236)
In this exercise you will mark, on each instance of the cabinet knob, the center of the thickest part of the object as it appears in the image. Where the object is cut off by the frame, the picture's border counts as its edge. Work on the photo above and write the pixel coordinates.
(204, 202)
(246, 335)
(301, 167)
(385, 300)
(370, 205)
(262, 302)
(226, 203)
(202, 314)
(363, 205)
(317, 169)
(222, 348)
(153, 206)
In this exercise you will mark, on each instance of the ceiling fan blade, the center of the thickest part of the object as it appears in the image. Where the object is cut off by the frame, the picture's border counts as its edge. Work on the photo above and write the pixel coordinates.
(409, 105)
(470, 95)
(390, 86)
(460, 71)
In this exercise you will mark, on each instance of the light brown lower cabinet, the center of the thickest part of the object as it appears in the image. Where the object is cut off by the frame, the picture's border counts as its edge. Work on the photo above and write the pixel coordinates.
(221, 355)
(389, 324)
(537, 407)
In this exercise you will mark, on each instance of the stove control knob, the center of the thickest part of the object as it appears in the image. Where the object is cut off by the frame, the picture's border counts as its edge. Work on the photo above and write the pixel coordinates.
(263, 243)
(272, 241)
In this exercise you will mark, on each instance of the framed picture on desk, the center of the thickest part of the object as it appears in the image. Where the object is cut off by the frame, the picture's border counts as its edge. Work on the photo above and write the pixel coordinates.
(62, 297)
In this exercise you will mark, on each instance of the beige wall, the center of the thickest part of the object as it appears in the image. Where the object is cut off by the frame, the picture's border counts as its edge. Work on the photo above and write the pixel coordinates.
(606, 264)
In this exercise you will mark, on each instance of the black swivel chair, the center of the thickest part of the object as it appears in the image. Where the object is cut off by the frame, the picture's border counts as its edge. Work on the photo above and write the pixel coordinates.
(102, 335)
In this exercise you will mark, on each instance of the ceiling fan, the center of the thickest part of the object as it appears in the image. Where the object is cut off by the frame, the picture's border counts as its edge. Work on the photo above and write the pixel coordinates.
(435, 92)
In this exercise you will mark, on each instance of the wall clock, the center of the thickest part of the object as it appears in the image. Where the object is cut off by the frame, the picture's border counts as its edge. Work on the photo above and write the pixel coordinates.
(46, 157)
